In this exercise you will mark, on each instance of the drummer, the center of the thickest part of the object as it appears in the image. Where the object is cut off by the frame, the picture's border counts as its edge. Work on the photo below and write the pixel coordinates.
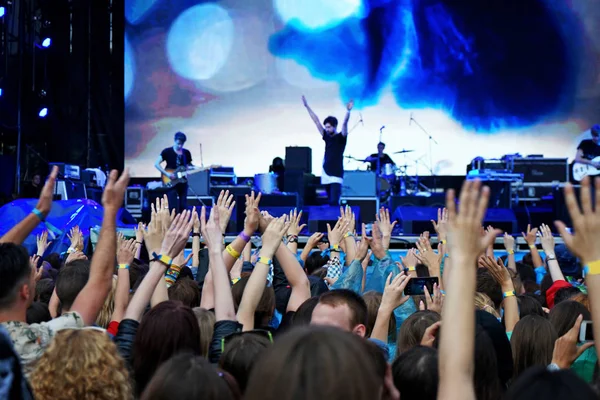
(383, 158)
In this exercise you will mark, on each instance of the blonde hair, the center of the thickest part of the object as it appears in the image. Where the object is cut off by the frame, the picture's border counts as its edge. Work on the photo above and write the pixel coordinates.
(81, 364)
(108, 308)
(206, 322)
(483, 302)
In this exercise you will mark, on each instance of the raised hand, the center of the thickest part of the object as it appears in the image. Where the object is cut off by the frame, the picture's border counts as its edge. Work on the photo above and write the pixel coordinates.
(393, 294)
(42, 243)
(377, 242)
(139, 232)
(252, 212)
(126, 252)
(76, 237)
(530, 236)
(273, 236)
(441, 227)
(76, 255)
(165, 214)
(313, 240)
(153, 235)
(509, 242)
(547, 239)
(566, 350)
(336, 234)
(497, 270)
(350, 105)
(211, 231)
(114, 191)
(225, 205)
(177, 234)
(586, 222)
(363, 246)
(44, 203)
(33, 262)
(430, 334)
(435, 302)
(383, 220)
(295, 227)
(411, 259)
(347, 215)
(427, 255)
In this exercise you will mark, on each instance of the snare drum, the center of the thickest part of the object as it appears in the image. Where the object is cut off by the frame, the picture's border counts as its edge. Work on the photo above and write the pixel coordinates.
(266, 183)
(388, 171)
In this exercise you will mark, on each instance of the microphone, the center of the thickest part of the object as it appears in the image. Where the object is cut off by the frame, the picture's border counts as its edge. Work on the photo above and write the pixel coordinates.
(382, 128)
(361, 120)
(410, 120)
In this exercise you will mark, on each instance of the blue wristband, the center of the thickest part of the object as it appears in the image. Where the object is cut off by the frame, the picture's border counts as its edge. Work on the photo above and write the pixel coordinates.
(38, 214)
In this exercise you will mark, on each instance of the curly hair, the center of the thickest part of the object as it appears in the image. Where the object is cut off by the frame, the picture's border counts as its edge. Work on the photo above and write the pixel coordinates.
(81, 364)
(108, 307)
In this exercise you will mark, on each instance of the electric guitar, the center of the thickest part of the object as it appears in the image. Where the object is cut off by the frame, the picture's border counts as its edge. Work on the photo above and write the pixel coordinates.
(181, 175)
(582, 170)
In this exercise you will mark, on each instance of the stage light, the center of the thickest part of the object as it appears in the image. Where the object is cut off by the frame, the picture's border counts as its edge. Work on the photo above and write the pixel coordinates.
(2, 11)
(46, 42)
(0, 92)
(43, 112)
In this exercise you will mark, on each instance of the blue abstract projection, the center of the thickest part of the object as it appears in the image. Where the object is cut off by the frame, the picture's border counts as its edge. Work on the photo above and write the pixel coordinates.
(489, 64)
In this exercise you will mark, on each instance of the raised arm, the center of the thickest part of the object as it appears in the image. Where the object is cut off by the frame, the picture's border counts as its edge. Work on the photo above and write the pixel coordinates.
(19, 232)
(530, 237)
(548, 245)
(294, 230)
(296, 277)
(313, 116)
(125, 256)
(89, 301)
(347, 117)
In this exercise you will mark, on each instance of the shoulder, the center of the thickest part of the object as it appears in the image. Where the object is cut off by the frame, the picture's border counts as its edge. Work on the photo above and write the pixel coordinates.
(166, 150)
(68, 320)
(29, 341)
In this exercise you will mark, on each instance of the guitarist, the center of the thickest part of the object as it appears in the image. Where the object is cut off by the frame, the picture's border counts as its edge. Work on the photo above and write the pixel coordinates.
(176, 157)
(589, 149)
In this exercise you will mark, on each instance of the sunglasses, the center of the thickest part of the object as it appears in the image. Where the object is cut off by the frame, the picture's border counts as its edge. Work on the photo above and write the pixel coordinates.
(231, 336)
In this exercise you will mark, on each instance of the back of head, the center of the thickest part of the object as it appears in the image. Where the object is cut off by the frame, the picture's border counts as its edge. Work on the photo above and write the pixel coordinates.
(413, 328)
(54, 260)
(186, 291)
(486, 378)
(484, 303)
(486, 284)
(266, 305)
(532, 343)
(500, 344)
(206, 323)
(563, 316)
(529, 305)
(565, 293)
(416, 373)
(79, 362)
(241, 354)
(348, 298)
(187, 376)
(526, 272)
(539, 383)
(38, 313)
(314, 261)
(583, 299)
(43, 290)
(304, 312)
(168, 328)
(373, 301)
(105, 316)
(71, 280)
(315, 363)
(14, 270)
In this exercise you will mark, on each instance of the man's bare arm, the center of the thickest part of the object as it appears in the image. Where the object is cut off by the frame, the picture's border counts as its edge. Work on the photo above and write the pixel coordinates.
(313, 116)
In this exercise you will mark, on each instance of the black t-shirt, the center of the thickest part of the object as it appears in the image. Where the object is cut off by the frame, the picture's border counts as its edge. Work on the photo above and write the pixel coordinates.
(175, 160)
(384, 159)
(590, 149)
(333, 164)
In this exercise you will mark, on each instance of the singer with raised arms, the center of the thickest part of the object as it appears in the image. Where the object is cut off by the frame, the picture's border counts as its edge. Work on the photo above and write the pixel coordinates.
(335, 145)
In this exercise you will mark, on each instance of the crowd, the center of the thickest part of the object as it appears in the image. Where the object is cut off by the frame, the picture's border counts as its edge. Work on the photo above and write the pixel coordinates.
(260, 321)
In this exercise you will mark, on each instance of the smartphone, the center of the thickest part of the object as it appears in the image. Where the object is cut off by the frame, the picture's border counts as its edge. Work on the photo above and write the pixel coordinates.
(415, 286)
(586, 333)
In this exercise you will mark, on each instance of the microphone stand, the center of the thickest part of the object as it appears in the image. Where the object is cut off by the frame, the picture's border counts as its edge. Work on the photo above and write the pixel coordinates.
(378, 173)
(431, 141)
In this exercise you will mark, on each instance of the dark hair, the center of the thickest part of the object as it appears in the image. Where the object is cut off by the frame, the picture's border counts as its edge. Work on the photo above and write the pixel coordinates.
(373, 301)
(380, 144)
(539, 383)
(14, 270)
(71, 280)
(331, 121)
(565, 293)
(180, 137)
(529, 305)
(356, 304)
(526, 272)
(43, 290)
(528, 259)
(165, 330)
(486, 377)
(37, 313)
(266, 305)
(314, 261)
(315, 363)
(486, 284)
(413, 328)
(564, 315)
(544, 286)
(187, 376)
(304, 312)
(416, 373)
(317, 286)
(186, 291)
(595, 130)
(54, 260)
(241, 354)
(137, 271)
(532, 343)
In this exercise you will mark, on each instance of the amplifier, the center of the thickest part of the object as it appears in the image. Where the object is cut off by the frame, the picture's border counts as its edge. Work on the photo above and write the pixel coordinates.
(537, 170)
(298, 158)
(359, 184)
(134, 198)
(67, 170)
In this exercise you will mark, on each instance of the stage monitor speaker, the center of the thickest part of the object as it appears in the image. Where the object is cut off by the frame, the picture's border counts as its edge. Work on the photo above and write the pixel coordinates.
(415, 220)
(198, 184)
(359, 184)
(320, 216)
(298, 158)
(70, 190)
(501, 218)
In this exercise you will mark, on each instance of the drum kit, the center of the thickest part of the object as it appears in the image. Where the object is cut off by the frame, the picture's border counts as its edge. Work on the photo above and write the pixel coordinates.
(394, 180)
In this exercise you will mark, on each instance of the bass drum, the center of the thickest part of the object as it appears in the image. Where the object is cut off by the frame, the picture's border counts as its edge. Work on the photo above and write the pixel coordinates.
(266, 183)
(388, 171)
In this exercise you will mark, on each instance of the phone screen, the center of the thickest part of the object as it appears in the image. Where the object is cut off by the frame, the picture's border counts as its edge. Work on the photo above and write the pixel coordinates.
(415, 286)
(589, 332)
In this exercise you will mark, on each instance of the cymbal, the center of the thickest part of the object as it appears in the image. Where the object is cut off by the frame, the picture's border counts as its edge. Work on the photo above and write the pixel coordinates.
(403, 151)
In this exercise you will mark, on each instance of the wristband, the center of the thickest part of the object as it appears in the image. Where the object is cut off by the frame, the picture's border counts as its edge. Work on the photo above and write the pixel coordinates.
(265, 260)
(38, 214)
(123, 266)
(349, 234)
(443, 241)
(168, 261)
(447, 255)
(140, 243)
(593, 268)
(232, 252)
(292, 239)
(244, 237)
(508, 294)
(550, 257)
(71, 250)
(532, 246)
(195, 234)
(511, 252)
(411, 268)
(336, 247)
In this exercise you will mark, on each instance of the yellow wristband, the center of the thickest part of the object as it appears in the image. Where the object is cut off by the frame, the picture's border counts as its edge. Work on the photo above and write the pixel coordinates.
(593, 268)
(511, 252)
(349, 234)
(444, 241)
(532, 246)
(412, 268)
(265, 260)
(336, 247)
(168, 261)
(231, 251)
(123, 266)
(508, 294)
